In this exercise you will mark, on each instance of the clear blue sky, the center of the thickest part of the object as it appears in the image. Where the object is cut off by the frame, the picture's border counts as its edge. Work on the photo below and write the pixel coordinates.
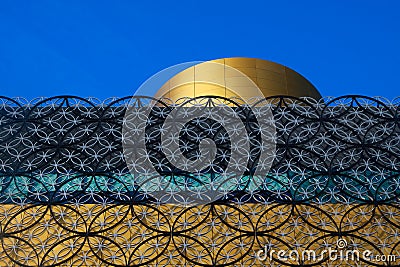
(108, 48)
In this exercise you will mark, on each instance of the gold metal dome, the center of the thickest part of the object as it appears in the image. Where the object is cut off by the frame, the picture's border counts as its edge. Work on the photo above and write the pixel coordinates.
(217, 77)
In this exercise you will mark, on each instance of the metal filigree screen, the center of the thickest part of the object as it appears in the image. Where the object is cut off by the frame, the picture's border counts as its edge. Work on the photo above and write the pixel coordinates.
(68, 198)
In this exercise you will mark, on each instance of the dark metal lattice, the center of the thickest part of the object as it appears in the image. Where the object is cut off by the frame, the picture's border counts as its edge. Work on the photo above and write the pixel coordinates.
(68, 198)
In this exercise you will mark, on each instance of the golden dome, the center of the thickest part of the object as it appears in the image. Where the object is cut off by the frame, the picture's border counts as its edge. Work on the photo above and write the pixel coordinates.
(244, 75)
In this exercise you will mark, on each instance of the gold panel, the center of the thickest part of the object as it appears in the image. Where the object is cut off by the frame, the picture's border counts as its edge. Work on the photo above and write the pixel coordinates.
(169, 235)
(271, 78)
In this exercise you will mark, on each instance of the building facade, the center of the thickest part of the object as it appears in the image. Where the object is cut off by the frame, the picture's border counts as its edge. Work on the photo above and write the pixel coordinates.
(330, 196)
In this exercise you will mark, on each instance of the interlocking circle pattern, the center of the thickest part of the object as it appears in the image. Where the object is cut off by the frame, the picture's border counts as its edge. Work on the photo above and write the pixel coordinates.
(198, 151)
(68, 197)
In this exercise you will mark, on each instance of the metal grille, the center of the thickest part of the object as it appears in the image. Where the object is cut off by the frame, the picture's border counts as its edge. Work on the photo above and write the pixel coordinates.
(68, 198)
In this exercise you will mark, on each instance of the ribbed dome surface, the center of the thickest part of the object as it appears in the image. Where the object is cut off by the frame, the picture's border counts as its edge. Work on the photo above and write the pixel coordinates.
(212, 78)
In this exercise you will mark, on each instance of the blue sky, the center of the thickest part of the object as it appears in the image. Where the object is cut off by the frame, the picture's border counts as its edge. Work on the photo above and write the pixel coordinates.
(108, 48)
